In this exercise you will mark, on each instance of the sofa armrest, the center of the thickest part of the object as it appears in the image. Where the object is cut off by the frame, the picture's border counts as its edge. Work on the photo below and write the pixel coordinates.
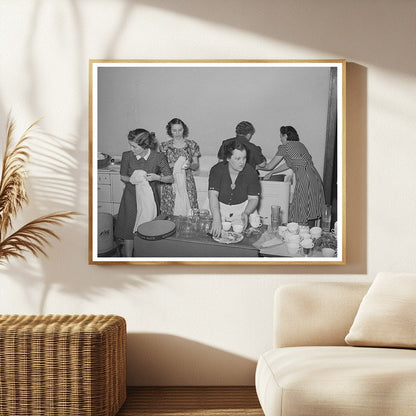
(315, 313)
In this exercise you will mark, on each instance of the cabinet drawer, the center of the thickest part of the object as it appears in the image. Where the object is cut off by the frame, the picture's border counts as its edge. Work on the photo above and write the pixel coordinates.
(104, 193)
(105, 207)
(104, 177)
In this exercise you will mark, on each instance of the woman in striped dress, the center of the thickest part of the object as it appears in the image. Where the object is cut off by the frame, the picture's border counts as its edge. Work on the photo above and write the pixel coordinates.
(308, 196)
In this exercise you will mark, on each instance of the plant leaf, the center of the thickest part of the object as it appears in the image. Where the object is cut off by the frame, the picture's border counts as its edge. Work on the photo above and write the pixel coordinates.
(33, 236)
(12, 183)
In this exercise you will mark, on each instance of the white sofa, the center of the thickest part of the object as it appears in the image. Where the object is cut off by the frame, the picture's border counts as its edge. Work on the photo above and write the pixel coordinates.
(311, 370)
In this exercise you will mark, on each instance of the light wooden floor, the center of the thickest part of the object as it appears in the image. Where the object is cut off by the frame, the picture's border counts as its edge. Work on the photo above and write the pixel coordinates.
(191, 401)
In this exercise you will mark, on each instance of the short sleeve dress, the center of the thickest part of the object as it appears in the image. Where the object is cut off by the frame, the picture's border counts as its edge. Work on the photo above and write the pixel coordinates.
(126, 218)
(308, 195)
(247, 183)
(189, 151)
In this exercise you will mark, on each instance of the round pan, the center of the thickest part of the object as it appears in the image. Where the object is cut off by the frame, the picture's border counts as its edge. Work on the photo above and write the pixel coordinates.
(156, 229)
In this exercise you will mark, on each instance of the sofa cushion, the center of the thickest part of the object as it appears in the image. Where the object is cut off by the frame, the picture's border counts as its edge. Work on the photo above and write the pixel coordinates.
(304, 381)
(387, 314)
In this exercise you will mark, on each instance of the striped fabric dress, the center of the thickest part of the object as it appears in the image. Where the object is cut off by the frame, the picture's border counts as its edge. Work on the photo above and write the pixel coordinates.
(308, 196)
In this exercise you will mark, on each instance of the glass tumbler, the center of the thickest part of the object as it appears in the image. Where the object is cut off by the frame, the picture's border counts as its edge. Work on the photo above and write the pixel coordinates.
(326, 218)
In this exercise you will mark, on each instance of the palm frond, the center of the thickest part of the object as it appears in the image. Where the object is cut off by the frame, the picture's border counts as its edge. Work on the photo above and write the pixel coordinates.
(12, 183)
(33, 237)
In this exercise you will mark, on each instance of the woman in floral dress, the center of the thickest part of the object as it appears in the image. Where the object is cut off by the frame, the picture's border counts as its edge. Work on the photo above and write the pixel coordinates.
(180, 146)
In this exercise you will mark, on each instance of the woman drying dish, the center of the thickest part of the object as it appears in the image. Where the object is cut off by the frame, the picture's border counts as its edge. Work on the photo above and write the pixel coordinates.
(183, 157)
(233, 188)
(308, 196)
(141, 170)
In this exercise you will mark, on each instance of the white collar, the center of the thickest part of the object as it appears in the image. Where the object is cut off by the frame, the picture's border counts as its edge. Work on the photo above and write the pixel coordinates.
(145, 157)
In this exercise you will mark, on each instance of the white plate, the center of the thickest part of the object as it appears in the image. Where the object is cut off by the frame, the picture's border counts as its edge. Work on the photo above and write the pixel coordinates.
(229, 237)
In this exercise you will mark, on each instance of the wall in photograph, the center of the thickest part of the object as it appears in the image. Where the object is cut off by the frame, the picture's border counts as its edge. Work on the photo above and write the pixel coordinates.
(212, 102)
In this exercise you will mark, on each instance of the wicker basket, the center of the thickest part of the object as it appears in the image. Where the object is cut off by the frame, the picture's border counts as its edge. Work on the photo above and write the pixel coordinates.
(71, 365)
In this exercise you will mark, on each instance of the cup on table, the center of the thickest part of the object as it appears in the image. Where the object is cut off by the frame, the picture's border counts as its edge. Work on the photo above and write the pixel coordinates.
(254, 220)
(292, 238)
(282, 229)
(292, 248)
(316, 232)
(238, 228)
(307, 246)
(226, 225)
(293, 227)
(304, 235)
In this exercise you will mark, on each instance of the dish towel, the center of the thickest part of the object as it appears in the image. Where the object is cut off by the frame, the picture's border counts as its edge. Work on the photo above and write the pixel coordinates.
(182, 204)
(145, 200)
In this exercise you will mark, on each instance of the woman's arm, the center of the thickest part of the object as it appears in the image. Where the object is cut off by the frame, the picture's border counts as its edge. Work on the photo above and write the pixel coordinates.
(279, 169)
(272, 164)
(155, 177)
(192, 164)
(214, 206)
(124, 178)
(251, 206)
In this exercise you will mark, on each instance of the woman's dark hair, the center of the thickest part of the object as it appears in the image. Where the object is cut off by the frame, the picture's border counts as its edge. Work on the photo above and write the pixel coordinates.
(244, 127)
(143, 138)
(233, 145)
(177, 121)
(292, 134)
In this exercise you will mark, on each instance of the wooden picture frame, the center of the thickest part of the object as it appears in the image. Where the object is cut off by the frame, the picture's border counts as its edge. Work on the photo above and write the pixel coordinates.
(212, 97)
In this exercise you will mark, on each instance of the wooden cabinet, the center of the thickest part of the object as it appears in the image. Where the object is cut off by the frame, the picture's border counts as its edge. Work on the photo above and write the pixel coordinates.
(109, 191)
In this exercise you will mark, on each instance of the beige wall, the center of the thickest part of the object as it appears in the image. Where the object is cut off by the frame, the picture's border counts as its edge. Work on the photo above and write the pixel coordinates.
(204, 325)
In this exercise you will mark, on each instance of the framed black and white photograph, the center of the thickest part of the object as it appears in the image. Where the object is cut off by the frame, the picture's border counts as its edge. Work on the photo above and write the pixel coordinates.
(217, 162)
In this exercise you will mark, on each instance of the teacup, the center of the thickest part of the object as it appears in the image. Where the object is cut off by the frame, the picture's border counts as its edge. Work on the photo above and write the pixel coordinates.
(316, 232)
(238, 228)
(254, 220)
(328, 252)
(292, 248)
(304, 236)
(293, 227)
(282, 230)
(292, 238)
(307, 245)
(226, 225)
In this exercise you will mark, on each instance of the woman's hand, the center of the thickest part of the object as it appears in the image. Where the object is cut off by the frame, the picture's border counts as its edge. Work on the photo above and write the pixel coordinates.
(216, 228)
(186, 165)
(244, 218)
(152, 177)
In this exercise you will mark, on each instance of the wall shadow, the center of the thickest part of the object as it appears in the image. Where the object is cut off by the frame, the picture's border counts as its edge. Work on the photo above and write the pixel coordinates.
(334, 27)
(168, 360)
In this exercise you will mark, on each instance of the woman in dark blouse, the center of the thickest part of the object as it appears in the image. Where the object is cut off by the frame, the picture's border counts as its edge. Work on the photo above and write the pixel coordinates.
(233, 189)
(140, 157)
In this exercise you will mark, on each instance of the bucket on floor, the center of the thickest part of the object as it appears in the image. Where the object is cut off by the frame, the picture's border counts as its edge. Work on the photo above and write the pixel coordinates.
(105, 240)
